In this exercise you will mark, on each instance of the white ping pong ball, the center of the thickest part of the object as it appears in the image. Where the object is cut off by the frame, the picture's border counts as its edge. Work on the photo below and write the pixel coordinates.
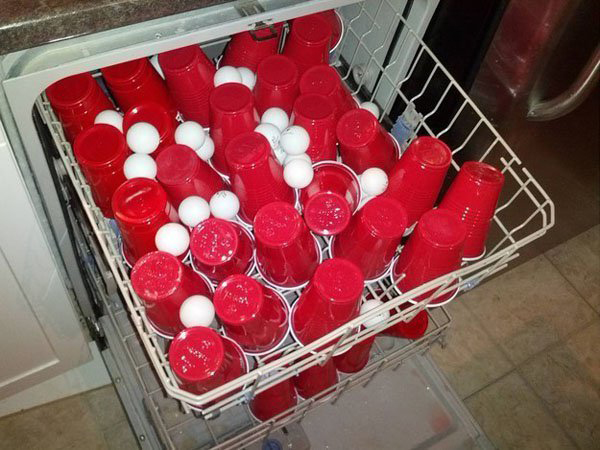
(280, 154)
(302, 156)
(227, 74)
(196, 311)
(248, 77)
(193, 210)
(139, 165)
(276, 116)
(156, 65)
(172, 238)
(298, 173)
(207, 149)
(294, 140)
(224, 205)
(371, 107)
(379, 318)
(271, 132)
(110, 117)
(142, 138)
(373, 181)
(191, 134)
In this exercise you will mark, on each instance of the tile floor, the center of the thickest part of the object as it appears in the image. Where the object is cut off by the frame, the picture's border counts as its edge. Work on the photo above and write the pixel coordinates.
(521, 354)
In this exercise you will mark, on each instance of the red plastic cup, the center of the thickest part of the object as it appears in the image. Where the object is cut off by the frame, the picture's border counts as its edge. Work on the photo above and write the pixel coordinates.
(256, 177)
(134, 82)
(253, 315)
(325, 80)
(309, 41)
(356, 358)
(221, 248)
(157, 116)
(183, 174)
(286, 253)
(249, 48)
(276, 84)
(316, 114)
(372, 237)
(413, 329)
(231, 114)
(364, 143)
(163, 283)
(101, 152)
(336, 26)
(202, 360)
(473, 195)
(416, 179)
(141, 207)
(331, 299)
(189, 76)
(316, 379)
(273, 401)
(330, 199)
(77, 100)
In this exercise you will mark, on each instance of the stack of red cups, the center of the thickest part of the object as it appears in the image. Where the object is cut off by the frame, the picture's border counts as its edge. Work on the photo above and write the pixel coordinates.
(249, 48)
(324, 80)
(276, 84)
(157, 116)
(315, 113)
(309, 41)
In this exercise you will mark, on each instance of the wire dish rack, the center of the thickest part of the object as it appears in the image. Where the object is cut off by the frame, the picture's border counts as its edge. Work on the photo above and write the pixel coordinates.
(382, 59)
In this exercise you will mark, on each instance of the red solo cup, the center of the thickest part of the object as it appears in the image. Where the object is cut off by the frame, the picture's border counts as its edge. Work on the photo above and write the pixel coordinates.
(330, 199)
(315, 113)
(273, 401)
(231, 114)
(183, 174)
(356, 358)
(372, 237)
(276, 84)
(434, 249)
(134, 82)
(309, 41)
(364, 143)
(256, 177)
(316, 379)
(249, 48)
(163, 283)
(325, 80)
(221, 248)
(413, 329)
(331, 299)
(336, 26)
(157, 116)
(101, 152)
(253, 315)
(286, 253)
(202, 360)
(140, 207)
(77, 100)
(473, 195)
(416, 179)
(189, 76)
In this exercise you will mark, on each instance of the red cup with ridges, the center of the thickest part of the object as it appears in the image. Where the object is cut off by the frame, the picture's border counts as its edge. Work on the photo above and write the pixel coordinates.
(183, 174)
(77, 100)
(309, 41)
(316, 379)
(141, 207)
(157, 116)
(356, 358)
(256, 177)
(372, 237)
(364, 143)
(286, 253)
(221, 248)
(473, 196)
(101, 152)
(276, 84)
(249, 48)
(134, 82)
(413, 329)
(315, 113)
(273, 401)
(325, 80)
(163, 283)
(231, 114)
(253, 315)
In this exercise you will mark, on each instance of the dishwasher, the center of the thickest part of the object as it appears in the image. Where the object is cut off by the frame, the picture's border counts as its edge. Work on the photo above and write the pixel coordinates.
(381, 58)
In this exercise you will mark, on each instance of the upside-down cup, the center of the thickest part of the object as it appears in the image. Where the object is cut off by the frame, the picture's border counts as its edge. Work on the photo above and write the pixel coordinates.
(309, 41)
(316, 379)
(316, 114)
(286, 253)
(231, 114)
(337, 27)
(330, 199)
(157, 116)
(416, 179)
(276, 84)
(434, 249)
(163, 283)
(372, 237)
(356, 358)
(415, 328)
(134, 82)
(256, 177)
(221, 248)
(189, 76)
(325, 80)
(273, 401)
(183, 174)
(249, 48)
(253, 315)
(101, 152)
(77, 100)
(473, 196)
(141, 207)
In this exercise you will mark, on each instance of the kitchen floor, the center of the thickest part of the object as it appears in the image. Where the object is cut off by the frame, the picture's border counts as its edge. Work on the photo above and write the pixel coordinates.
(522, 354)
